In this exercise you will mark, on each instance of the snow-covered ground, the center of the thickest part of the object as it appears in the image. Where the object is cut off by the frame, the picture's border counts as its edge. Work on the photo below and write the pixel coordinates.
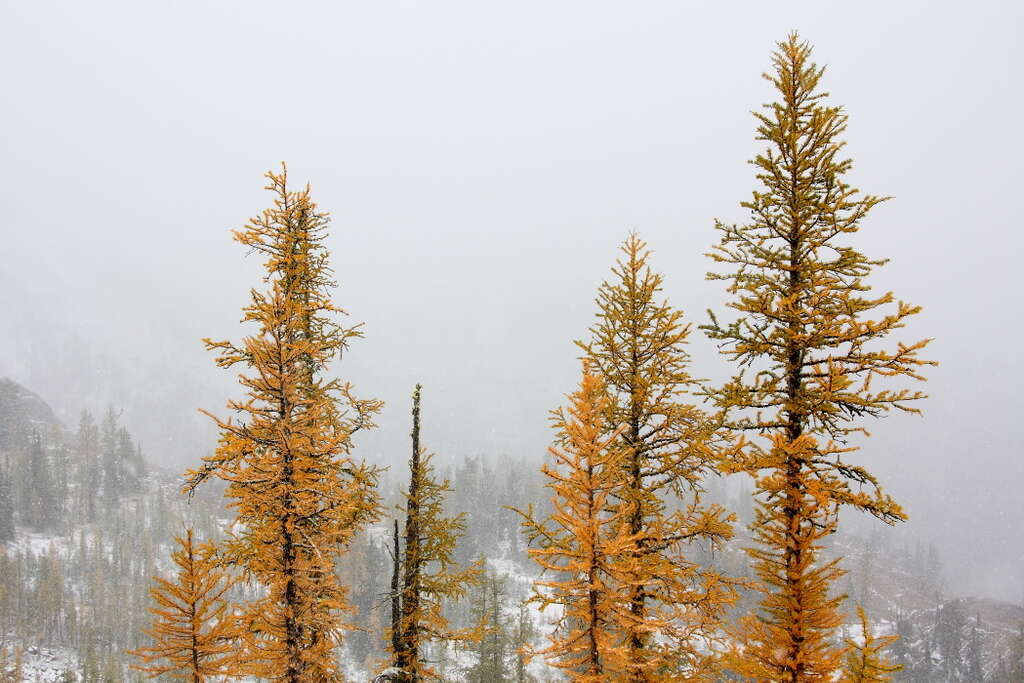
(42, 665)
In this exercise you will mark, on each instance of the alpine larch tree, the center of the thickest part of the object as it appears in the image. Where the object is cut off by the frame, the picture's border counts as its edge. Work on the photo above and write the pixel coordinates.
(866, 660)
(808, 343)
(579, 543)
(194, 632)
(299, 493)
(638, 348)
(429, 574)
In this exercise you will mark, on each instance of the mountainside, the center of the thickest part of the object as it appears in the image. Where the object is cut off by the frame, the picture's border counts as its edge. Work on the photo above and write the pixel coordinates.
(942, 637)
(21, 409)
(91, 525)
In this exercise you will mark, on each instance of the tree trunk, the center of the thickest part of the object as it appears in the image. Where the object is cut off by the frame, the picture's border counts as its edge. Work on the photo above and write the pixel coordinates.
(411, 589)
(396, 599)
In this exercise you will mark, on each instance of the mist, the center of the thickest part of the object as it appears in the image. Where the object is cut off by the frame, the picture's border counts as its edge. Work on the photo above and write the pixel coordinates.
(482, 164)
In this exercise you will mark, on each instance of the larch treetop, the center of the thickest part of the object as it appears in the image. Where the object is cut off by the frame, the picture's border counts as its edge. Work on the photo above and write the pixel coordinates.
(808, 355)
(299, 494)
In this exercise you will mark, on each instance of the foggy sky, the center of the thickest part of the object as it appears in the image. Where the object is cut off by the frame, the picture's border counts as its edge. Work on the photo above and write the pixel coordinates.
(482, 163)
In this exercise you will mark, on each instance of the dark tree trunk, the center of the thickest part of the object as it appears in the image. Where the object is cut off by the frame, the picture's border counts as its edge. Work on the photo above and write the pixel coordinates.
(396, 599)
(409, 652)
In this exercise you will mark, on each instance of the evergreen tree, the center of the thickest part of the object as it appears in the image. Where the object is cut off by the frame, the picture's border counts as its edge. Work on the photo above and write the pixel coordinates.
(429, 572)
(6, 508)
(62, 464)
(924, 669)
(193, 630)
(111, 466)
(949, 634)
(299, 493)
(127, 459)
(637, 346)
(42, 512)
(492, 648)
(810, 336)
(87, 454)
(866, 573)
(140, 462)
(901, 647)
(974, 653)
(525, 632)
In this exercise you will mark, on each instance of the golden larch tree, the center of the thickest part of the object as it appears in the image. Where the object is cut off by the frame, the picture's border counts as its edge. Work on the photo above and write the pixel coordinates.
(579, 543)
(194, 632)
(866, 661)
(807, 340)
(638, 348)
(298, 492)
(429, 574)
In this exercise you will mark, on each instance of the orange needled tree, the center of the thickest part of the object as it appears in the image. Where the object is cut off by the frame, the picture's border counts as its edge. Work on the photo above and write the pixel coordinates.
(581, 541)
(426, 573)
(194, 634)
(637, 346)
(866, 661)
(298, 492)
(808, 342)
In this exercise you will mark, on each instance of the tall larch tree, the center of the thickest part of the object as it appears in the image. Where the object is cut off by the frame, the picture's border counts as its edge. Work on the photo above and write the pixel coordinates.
(578, 546)
(638, 346)
(194, 632)
(807, 339)
(430, 575)
(299, 493)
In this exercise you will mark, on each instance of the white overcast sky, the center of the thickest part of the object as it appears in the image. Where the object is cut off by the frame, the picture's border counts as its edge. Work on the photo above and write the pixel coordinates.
(482, 162)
